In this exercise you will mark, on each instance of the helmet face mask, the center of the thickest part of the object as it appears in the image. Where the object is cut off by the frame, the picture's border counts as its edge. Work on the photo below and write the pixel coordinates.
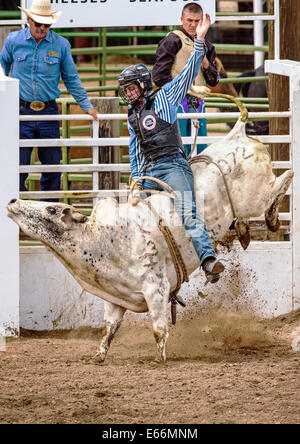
(131, 93)
(138, 75)
(133, 97)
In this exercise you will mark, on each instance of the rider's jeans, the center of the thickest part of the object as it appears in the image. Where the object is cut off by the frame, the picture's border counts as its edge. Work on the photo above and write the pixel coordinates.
(176, 172)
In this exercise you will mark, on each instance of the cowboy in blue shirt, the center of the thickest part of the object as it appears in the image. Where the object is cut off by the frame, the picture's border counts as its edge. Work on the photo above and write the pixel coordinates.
(39, 57)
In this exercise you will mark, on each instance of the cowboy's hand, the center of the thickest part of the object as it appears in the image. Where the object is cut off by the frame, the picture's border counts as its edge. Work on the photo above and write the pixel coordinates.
(132, 187)
(93, 112)
(203, 27)
(135, 187)
(133, 198)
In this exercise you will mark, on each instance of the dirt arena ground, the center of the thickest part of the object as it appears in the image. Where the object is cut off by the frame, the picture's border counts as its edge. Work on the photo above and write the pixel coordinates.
(222, 368)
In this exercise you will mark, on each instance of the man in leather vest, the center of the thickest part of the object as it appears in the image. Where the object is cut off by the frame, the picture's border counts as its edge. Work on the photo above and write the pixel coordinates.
(155, 146)
(172, 54)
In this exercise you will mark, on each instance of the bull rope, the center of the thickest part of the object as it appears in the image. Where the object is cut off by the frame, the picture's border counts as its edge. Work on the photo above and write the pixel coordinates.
(208, 160)
(178, 261)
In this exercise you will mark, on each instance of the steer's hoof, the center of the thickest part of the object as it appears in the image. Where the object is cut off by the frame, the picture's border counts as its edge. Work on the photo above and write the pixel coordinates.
(159, 361)
(243, 232)
(97, 359)
(273, 225)
(245, 240)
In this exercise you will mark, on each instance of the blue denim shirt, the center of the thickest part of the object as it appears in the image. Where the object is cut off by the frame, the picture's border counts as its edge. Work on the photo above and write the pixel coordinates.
(39, 67)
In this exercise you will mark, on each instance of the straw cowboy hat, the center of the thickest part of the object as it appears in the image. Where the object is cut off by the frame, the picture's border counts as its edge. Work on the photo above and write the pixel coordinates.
(40, 12)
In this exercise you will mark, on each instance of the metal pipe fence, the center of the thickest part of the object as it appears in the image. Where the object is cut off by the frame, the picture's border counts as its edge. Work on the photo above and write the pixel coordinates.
(92, 167)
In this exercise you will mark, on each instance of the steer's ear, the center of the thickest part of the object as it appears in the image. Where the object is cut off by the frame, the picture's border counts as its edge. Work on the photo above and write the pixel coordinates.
(70, 216)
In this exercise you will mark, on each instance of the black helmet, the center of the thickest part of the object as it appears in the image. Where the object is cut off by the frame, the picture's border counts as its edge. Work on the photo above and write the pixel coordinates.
(138, 74)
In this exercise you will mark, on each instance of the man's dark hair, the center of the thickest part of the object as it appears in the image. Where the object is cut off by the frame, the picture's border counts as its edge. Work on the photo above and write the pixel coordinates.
(192, 8)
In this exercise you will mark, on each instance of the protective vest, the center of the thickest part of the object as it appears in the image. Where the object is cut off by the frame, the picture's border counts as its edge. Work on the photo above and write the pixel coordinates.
(182, 57)
(157, 137)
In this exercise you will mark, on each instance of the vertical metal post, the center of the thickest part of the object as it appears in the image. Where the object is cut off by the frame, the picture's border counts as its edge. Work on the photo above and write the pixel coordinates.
(65, 149)
(23, 15)
(258, 33)
(95, 132)
(100, 57)
(31, 182)
(135, 39)
(104, 58)
(276, 30)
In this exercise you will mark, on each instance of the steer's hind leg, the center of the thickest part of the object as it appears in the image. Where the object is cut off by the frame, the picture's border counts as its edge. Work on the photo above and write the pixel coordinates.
(243, 231)
(279, 189)
(157, 301)
(113, 315)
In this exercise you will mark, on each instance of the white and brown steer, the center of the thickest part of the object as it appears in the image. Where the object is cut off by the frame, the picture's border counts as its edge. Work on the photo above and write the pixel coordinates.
(120, 255)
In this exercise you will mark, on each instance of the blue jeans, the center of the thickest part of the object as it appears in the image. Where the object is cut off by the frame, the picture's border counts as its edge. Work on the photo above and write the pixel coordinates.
(47, 155)
(176, 172)
(185, 125)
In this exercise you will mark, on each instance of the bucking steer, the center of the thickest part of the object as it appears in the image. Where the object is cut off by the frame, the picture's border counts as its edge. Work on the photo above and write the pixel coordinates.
(119, 253)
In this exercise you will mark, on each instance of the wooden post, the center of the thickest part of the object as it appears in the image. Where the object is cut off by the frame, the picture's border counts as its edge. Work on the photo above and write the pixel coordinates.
(4, 31)
(109, 154)
(278, 91)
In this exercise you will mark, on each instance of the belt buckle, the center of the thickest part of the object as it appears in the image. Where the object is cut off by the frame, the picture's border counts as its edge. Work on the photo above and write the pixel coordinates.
(37, 106)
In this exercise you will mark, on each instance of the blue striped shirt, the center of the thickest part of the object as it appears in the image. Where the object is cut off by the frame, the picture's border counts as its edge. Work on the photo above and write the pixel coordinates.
(166, 103)
(39, 66)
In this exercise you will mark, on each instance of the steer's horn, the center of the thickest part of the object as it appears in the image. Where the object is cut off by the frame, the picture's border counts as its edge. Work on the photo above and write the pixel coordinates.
(71, 215)
(243, 110)
(78, 217)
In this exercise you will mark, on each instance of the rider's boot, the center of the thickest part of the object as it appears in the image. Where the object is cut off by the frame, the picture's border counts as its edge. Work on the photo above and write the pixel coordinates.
(212, 269)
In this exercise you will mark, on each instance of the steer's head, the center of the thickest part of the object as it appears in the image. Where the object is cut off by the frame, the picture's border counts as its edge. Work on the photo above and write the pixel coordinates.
(45, 221)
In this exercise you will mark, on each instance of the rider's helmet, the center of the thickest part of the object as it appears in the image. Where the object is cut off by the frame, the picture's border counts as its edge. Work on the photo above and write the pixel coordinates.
(138, 74)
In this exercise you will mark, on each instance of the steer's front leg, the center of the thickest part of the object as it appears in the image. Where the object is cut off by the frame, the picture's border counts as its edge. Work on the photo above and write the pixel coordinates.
(157, 298)
(113, 315)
